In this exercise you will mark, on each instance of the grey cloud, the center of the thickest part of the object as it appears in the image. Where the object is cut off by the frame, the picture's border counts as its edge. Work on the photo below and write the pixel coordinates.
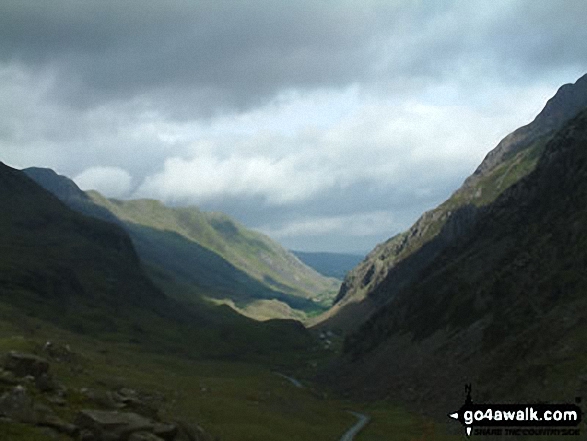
(198, 58)
(230, 53)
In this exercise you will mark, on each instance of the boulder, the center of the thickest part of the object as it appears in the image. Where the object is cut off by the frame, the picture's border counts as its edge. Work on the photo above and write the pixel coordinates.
(7, 378)
(165, 431)
(144, 436)
(112, 425)
(191, 432)
(17, 405)
(22, 365)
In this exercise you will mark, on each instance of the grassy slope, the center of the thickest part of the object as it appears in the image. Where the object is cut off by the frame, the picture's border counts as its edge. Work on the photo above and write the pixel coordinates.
(206, 251)
(250, 252)
(231, 401)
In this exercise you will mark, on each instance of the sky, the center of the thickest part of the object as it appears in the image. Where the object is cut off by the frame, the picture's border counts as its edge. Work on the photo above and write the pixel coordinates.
(328, 125)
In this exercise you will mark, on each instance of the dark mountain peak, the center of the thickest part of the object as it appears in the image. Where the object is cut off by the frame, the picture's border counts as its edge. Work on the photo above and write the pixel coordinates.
(569, 100)
(566, 103)
(512, 159)
(61, 186)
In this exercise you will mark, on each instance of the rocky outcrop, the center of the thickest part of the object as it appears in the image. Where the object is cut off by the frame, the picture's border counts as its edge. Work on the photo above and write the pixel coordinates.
(22, 365)
(513, 158)
(498, 308)
(28, 395)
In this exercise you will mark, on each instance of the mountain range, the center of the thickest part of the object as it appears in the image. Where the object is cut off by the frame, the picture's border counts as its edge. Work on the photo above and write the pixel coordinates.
(207, 254)
(488, 288)
(512, 159)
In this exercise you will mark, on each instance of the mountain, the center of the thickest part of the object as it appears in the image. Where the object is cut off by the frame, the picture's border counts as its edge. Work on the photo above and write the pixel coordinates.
(83, 274)
(72, 262)
(209, 252)
(513, 158)
(503, 307)
(330, 264)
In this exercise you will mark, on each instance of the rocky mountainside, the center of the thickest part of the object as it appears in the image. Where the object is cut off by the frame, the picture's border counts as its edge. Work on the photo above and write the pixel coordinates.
(70, 261)
(502, 308)
(209, 251)
(83, 274)
(513, 158)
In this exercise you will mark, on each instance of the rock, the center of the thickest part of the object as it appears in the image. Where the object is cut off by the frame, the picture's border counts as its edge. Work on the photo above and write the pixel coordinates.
(54, 422)
(58, 352)
(45, 383)
(132, 401)
(18, 406)
(7, 378)
(22, 365)
(144, 436)
(165, 431)
(86, 435)
(112, 425)
(105, 399)
(191, 432)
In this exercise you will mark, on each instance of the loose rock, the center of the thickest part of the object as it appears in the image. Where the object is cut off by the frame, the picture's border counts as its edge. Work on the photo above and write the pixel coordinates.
(22, 365)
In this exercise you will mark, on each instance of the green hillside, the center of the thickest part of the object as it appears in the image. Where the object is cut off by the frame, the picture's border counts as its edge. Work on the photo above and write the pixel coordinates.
(209, 252)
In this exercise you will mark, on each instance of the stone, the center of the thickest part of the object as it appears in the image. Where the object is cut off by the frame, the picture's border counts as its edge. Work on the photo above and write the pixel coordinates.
(7, 378)
(112, 425)
(165, 431)
(45, 383)
(191, 432)
(17, 405)
(22, 365)
(54, 422)
(144, 436)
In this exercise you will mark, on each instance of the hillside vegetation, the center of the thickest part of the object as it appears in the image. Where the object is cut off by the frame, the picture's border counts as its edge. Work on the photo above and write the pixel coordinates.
(210, 253)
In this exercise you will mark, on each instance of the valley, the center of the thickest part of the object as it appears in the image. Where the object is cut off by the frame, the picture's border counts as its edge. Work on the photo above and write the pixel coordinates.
(184, 325)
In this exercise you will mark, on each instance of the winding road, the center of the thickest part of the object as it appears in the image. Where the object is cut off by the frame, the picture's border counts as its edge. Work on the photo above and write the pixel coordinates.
(362, 422)
(349, 435)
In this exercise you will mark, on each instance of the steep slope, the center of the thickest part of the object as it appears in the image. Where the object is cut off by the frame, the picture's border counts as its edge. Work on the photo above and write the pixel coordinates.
(84, 275)
(71, 262)
(503, 307)
(513, 158)
(208, 251)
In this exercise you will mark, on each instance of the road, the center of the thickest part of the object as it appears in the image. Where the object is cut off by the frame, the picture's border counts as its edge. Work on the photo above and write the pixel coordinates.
(362, 422)
(292, 380)
(349, 435)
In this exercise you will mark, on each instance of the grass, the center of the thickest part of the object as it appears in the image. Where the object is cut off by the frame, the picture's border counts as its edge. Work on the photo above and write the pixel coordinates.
(231, 400)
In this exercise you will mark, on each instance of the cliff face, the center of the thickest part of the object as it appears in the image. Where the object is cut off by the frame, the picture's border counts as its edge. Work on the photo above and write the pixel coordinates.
(503, 307)
(513, 158)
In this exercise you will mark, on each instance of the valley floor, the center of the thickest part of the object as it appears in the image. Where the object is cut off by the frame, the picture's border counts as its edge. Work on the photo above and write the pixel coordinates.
(229, 400)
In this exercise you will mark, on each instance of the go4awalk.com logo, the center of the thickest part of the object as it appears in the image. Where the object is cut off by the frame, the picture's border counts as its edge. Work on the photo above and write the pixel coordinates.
(518, 419)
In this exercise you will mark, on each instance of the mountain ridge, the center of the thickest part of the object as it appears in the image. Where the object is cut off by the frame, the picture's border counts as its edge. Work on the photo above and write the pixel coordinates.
(513, 158)
(222, 258)
(501, 308)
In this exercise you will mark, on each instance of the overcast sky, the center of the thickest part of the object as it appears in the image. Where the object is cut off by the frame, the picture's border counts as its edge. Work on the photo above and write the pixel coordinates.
(329, 125)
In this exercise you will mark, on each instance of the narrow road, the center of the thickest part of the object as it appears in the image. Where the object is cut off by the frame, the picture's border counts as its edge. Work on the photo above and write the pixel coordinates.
(292, 380)
(350, 434)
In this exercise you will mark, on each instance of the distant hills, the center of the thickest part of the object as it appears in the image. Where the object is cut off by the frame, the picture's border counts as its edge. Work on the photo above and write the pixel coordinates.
(335, 265)
(205, 254)
(488, 288)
